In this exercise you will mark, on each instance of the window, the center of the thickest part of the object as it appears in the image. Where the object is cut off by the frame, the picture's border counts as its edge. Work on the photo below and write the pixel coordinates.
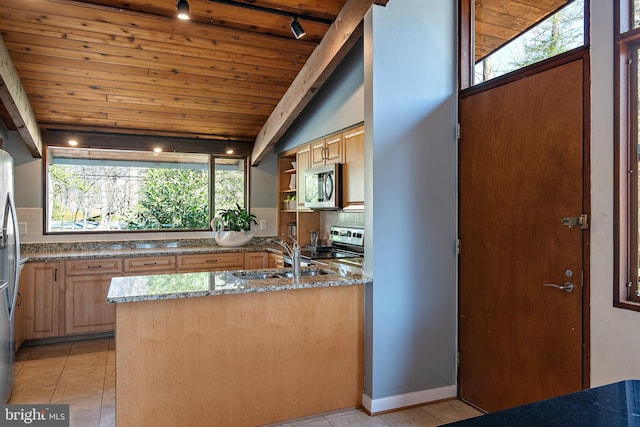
(101, 190)
(558, 33)
(627, 167)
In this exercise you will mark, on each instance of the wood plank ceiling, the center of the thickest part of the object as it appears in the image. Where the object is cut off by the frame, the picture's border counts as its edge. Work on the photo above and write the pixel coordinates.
(130, 66)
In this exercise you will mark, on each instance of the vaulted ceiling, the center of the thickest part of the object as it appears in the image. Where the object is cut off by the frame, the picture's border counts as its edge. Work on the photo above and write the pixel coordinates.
(130, 66)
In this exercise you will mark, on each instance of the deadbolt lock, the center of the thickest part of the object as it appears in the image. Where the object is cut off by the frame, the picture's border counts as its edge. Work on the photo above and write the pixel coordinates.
(582, 221)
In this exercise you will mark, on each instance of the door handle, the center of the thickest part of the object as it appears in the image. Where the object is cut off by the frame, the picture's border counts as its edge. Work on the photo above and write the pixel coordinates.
(567, 286)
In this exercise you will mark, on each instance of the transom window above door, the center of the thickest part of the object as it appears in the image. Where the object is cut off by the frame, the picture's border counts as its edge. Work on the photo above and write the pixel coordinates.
(506, 38)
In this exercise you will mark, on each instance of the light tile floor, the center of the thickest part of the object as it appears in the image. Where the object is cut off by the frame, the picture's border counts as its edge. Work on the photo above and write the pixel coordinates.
(82, 374)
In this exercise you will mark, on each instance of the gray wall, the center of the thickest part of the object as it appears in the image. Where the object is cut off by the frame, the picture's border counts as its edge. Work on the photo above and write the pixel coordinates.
(411, 157)
(337, 105)
(28, 173)
(263, 182)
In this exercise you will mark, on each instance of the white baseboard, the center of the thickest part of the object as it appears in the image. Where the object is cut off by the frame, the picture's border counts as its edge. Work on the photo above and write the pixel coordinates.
(390, 403)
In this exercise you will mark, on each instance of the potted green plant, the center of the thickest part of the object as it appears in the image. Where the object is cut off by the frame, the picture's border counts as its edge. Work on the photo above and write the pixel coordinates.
(289, 202)
(232, 227)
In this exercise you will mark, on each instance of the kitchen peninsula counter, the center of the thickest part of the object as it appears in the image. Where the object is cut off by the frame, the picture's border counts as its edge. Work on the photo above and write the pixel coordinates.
(192, 285)
(203, 349)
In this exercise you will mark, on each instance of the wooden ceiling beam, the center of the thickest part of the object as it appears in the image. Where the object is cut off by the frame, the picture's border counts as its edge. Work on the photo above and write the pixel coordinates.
(15, 100)
(335, 45)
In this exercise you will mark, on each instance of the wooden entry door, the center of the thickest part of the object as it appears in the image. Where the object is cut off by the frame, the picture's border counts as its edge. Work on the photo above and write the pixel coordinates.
(521, 173)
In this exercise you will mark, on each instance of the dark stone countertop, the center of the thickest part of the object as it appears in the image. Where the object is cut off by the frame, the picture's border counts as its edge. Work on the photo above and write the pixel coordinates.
(613, 405)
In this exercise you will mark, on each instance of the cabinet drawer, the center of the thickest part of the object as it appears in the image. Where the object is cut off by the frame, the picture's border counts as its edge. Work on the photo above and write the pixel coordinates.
(93, 266)
(150, 264)
(206, 262)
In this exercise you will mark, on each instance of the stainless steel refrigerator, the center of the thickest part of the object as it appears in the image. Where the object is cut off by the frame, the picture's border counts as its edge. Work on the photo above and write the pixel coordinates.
(9, 273)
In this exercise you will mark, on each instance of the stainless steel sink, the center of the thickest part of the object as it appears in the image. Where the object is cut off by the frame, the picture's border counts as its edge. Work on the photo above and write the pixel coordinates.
(307, 273)
(247, 275)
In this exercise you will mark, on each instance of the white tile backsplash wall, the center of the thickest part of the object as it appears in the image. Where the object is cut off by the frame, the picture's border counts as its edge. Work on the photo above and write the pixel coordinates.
(32, 219)
(329, 218)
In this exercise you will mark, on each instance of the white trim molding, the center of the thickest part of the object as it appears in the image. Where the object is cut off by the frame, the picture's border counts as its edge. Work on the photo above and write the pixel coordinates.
(389, 403)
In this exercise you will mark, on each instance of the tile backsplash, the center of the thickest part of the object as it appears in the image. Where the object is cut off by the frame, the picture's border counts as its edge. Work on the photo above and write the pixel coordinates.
(329, 218)
(31, 230)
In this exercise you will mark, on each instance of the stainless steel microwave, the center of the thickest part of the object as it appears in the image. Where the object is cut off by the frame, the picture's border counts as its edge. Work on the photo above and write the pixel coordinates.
(323, 187)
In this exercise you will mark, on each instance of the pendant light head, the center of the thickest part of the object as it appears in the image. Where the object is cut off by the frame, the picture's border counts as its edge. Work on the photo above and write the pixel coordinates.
(183, 9)
(296, 28)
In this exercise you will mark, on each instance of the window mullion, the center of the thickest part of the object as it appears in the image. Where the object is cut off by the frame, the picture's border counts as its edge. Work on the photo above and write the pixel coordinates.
(634, 290)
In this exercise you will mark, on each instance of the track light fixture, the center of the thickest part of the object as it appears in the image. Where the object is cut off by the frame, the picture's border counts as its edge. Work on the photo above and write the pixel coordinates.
(296, 28)
(183, 9)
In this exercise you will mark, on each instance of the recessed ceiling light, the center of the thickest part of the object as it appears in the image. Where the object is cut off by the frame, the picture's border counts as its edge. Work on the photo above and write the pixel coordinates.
(72, 142)
(157, 150)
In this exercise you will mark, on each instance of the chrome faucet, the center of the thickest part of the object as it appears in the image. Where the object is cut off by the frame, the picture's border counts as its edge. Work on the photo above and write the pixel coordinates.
(293, 251)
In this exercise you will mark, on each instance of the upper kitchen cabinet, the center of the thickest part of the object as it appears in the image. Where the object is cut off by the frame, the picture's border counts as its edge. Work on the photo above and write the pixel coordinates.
(327, 151)
(353, 171)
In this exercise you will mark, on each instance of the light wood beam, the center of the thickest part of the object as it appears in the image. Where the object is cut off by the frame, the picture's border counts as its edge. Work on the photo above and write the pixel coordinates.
(337, 42)
(17, 104)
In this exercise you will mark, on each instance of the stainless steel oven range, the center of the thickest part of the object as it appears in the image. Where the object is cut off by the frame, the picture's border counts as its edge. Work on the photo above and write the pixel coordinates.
(346, 243)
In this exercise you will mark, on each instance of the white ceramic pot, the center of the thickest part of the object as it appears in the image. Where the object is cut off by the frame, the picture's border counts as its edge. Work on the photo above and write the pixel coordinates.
(229, 238)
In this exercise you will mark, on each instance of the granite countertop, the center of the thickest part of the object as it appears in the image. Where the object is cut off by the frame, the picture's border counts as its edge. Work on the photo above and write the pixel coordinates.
(613, 405)
(191, 285)
(116, 249)
(61, 251)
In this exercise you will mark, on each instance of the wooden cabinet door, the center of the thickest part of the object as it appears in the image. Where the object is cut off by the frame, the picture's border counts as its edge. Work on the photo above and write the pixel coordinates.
(18, 325)
(317, 153)
(86, 308)
(326, 151)
(333, 149)
(255, 260)
(86, 287)
(303, 162)
(353, 170)
(41, 292)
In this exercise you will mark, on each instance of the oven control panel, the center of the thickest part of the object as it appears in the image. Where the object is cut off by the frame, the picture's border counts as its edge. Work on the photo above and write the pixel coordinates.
(348, 235)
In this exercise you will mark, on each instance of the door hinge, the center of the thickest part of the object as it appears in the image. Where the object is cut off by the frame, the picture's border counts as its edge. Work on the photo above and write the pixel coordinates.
(458, 246)
(458, 131)
(582, 221)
